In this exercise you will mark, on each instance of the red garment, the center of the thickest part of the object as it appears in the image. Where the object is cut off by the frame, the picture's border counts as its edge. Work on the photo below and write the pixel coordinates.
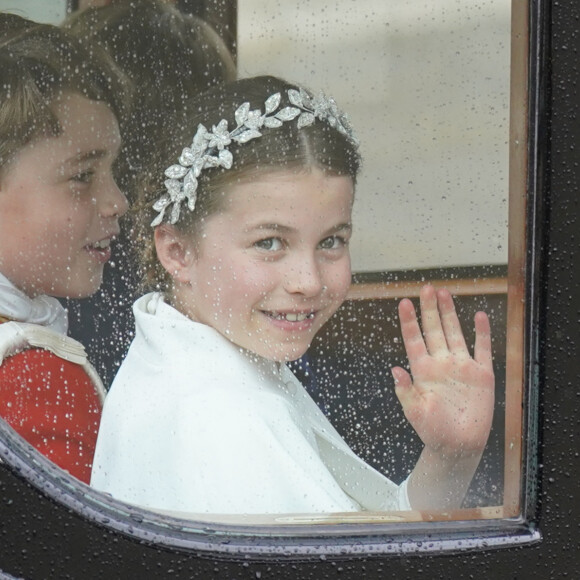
(53, 404)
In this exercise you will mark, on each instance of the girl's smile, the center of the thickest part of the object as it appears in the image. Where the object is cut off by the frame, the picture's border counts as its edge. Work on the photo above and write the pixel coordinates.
(272, 267)
(292, 321)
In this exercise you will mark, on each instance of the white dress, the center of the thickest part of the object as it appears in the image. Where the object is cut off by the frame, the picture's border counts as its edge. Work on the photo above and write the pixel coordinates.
(194, 423)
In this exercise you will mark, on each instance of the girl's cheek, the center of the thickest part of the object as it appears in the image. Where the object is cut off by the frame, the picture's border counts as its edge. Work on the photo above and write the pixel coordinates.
(262, 283)
(342, 281)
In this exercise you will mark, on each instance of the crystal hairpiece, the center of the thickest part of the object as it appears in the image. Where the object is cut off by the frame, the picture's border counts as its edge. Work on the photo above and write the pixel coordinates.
(209, 148)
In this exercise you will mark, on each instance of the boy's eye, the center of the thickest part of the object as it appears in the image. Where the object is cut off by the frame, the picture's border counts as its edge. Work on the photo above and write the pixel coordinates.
(270, 244)
(332, 243)
(83, 176)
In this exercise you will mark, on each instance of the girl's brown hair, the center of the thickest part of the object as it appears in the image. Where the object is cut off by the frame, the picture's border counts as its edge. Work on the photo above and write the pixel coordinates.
(287, 148)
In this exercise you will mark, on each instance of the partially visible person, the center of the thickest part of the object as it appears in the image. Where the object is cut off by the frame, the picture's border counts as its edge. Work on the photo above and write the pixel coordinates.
(245, 228)
(171, 57)
(59, 212)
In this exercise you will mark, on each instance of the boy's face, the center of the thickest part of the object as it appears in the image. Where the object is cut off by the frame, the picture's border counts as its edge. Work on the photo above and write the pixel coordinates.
(59, 204)
(271, 268)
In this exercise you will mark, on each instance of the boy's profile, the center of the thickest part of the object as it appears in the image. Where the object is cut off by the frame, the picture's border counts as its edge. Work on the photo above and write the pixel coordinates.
(59, 211)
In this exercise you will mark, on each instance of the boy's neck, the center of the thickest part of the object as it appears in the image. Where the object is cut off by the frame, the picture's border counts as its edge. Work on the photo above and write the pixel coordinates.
(43, 310)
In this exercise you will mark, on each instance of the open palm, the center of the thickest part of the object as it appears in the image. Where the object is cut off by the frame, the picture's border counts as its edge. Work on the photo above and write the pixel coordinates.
(448, 396)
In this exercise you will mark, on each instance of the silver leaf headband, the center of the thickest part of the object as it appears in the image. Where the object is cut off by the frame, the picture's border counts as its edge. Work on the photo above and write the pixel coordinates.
(209, 148)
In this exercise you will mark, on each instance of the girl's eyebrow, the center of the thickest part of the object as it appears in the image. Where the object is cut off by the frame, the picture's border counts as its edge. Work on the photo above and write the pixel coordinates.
(344, 227)
(275, 227)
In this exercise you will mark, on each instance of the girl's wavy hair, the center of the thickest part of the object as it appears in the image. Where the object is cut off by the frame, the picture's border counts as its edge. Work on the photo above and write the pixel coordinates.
(38, 62)
(286, 148)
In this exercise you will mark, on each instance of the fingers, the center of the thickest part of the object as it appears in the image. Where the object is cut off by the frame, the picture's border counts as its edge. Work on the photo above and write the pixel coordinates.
(431, 321)
(402, 377)
(442, 332)
(450, 322)
(403, 384)
(482, 350)
(411, 332)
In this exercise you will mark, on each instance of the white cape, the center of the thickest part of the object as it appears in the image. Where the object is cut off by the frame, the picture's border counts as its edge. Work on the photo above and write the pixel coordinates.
(195, 424)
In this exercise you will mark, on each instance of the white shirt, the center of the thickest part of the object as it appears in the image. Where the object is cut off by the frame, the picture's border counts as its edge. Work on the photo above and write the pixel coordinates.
(193, 423)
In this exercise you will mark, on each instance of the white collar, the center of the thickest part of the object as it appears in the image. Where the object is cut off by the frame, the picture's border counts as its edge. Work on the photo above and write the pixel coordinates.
(43, 310)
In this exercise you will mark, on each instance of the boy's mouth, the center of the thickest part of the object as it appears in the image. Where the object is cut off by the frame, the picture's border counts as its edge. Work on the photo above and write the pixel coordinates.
(100, 250)
(101, 244)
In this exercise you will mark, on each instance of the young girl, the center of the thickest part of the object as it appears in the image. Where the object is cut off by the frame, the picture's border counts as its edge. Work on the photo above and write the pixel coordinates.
(59, 210)
(251, 233)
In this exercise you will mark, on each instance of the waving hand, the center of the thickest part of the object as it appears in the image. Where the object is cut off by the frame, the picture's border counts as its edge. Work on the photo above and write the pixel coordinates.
(448, 396)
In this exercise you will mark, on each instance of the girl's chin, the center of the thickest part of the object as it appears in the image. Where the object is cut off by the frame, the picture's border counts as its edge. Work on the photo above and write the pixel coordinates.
(277, 355)
(286, 356)
(274, 348)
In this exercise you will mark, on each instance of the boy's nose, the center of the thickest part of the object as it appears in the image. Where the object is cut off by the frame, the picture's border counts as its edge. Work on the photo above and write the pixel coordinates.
(113, 200)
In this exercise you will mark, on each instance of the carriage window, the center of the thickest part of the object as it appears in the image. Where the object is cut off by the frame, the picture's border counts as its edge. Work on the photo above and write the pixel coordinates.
(438, 95)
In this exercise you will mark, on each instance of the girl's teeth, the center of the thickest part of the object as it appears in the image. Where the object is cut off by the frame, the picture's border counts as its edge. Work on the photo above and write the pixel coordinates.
(290, 317)
(295, 317)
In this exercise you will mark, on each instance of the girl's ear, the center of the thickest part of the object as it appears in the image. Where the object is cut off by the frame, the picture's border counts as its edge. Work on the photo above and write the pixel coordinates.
(175, 252)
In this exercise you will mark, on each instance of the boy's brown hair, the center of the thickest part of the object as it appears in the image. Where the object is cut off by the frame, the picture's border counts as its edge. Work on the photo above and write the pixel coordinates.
(38, 62)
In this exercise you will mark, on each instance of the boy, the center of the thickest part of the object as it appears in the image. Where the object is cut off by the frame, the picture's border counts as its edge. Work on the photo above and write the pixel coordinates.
(59, 210)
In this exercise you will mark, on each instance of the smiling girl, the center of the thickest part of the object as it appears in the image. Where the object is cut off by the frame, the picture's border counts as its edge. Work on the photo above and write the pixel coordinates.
(250, 252)
(59, 210)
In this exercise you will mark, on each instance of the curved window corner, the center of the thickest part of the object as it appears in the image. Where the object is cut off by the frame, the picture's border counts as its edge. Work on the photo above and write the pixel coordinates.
(487, 122)
(289, 536)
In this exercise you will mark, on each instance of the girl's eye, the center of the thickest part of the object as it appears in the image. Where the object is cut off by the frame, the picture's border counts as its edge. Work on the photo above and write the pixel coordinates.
(270, 244)
(333, 243)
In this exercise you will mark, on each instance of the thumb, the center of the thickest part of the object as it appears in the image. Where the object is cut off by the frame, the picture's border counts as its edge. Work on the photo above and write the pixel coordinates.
(403, 384)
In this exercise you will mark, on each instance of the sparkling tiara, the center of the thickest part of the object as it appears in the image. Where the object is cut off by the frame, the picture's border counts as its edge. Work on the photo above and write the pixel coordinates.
(209, 148)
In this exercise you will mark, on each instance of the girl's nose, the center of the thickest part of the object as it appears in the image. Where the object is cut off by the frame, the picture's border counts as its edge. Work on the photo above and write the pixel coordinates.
(304, 277)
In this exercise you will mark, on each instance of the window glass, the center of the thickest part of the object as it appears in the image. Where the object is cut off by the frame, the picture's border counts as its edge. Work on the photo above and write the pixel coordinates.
(426, 86)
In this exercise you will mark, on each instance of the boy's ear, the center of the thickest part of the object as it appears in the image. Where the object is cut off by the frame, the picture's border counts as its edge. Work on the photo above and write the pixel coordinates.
(175, 252)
